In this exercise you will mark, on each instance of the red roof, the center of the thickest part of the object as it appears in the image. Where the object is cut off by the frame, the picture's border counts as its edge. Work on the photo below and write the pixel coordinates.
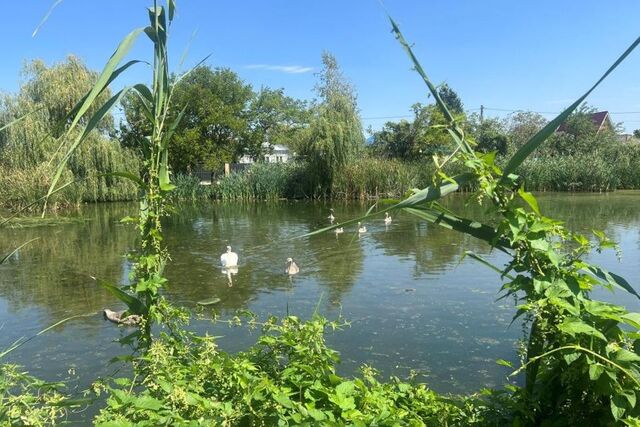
(598, 119)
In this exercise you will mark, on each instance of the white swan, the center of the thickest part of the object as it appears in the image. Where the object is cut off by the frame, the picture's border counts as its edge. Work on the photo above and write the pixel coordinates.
(229, 259)
(361, 228)
(331, 217)
(291, 267)
(387, 218)
(339, 230)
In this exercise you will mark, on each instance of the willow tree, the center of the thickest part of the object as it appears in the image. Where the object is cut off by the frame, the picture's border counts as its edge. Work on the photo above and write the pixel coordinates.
(48, 93)
(335, 133)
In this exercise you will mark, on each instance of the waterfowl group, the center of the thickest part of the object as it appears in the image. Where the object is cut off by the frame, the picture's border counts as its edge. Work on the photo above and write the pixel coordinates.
(229, 259)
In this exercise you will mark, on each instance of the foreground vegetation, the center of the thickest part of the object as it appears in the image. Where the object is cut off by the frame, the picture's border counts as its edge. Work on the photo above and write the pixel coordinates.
(580, 358)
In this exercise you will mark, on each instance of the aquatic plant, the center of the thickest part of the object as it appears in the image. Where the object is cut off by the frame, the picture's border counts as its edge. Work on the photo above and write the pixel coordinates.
(581, 357)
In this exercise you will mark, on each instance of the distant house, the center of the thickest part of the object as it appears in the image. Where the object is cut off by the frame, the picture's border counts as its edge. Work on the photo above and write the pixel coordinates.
(627, 138)
(601, 121)
(275, 154)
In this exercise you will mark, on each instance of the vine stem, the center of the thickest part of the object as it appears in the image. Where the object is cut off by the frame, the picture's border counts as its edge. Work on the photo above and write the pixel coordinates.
(579, 348)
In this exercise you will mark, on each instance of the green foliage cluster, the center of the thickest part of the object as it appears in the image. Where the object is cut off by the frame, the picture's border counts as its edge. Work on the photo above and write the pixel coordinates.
(264, 181)
(287, 378)
(28, 147)
(223, 119)
(27, 401)
(335, 133)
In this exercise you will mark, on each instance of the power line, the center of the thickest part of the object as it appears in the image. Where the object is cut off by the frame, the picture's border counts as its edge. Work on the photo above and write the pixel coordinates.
(507, 110)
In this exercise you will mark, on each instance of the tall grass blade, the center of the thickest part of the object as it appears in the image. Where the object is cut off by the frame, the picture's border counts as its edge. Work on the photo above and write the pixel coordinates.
(20, 342)
(426, 195)
(456, 132)
(535, 141)
(91, 125)
(9, 255)
(46, 17)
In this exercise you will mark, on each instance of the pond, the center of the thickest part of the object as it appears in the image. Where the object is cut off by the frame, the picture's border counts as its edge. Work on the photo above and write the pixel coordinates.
(412, 301)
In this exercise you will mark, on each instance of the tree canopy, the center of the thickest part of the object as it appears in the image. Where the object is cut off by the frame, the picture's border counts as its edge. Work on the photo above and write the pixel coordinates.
(335, 133)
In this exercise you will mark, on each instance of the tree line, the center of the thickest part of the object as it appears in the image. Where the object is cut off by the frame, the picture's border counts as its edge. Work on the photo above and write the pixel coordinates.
(225, 118)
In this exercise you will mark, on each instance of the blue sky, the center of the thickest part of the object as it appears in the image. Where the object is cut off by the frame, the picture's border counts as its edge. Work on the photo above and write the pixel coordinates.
(533, 55)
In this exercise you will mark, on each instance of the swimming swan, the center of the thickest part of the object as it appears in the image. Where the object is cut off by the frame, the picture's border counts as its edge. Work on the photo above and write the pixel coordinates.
(229, 259)
(387, 218)
(361, 228)
(331, 217)
(291, 267)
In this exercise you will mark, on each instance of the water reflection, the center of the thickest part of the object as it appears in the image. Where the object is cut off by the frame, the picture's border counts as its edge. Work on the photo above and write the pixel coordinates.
(412, 302)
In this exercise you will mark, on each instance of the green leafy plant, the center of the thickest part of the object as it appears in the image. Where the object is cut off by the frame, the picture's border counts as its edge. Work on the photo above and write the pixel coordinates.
(581, 359)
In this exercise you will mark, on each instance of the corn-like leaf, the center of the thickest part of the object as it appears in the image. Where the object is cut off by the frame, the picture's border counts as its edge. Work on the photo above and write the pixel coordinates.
(91, 125)
(163, 175)
(172, 9)
(420, 70)
(423, 196)
(19, 119)
(105, 76)
(463, 225)
(134, 305)
(535, 141)
(488, 264)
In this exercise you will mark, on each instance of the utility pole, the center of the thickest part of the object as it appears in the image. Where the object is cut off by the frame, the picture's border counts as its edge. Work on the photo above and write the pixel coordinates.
(481, 113)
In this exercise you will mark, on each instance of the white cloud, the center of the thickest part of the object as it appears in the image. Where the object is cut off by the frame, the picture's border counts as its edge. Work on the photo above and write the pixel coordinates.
(289, 69)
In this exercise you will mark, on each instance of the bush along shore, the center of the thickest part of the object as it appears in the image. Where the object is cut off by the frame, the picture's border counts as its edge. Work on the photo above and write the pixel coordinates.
(372, 178)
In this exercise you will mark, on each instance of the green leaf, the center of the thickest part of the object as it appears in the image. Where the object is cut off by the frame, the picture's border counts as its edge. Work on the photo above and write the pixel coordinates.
(147, 402)
(612, 279)
(573, 327)
(632, 319)
(595, 371)
(571, 357)
(163, 173)
(535, 141)
(617, 407)
(624, 355)
(530, 199)
(91, 125)
(10, 254)
(503, 362)
(134, 305)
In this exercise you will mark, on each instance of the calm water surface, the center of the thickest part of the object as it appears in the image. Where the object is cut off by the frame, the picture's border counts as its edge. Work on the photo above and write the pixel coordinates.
(412, 301)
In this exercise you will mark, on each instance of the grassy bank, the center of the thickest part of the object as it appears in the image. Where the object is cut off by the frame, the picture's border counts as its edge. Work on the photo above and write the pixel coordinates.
(371, 178)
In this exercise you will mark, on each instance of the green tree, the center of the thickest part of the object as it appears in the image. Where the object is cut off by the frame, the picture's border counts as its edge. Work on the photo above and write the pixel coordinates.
(521, 126)
(48, 94)
(215, 127)
(489, 134)
(275, 119)
(425, 136)
(636, 133)
(335, 134)
(451, 99)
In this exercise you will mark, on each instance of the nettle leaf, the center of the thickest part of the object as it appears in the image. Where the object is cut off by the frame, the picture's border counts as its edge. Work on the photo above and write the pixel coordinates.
(595, 371)
(574, 326)
(632, 319)
(630, 395)
(617, 406)
(623, 355)
(571, 357)
(530, 199)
